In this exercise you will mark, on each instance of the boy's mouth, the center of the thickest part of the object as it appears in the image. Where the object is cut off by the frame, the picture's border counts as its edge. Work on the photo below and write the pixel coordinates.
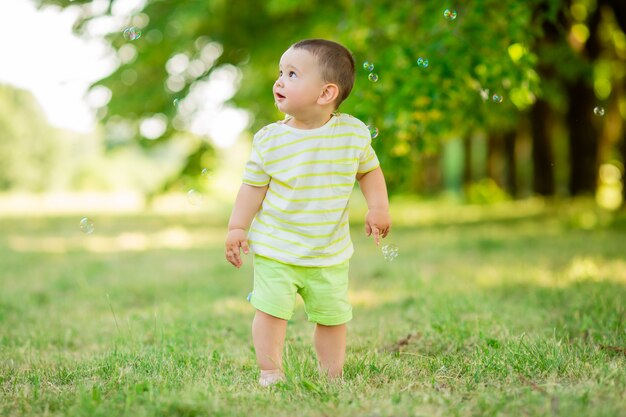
(279, 96)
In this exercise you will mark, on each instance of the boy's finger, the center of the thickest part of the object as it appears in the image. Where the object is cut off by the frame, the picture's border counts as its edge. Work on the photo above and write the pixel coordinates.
(376, 235)
(368, 229)
(245, 247)
(230, 258)
(236, 258)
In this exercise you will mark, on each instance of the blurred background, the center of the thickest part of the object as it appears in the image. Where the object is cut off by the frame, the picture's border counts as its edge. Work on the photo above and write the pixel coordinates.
(146, 104)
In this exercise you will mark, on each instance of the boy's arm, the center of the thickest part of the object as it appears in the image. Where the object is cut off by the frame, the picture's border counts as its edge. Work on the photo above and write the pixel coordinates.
(247, 204)
(374, 189)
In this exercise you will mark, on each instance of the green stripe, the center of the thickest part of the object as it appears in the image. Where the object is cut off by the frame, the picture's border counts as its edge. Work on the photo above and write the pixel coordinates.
(319, 174)
(368, 170)
(350, 124)
(299, 233)
(299, 223)
(257, 183)
(279, 182)
(254, 171)
(275, 207)
(338, 135)
(297, 255)
(311, 187)
(292, 242)
(273, 137)
(368, 159)
(312, 150)
(258, 154)
(319, 161)
(302, 200)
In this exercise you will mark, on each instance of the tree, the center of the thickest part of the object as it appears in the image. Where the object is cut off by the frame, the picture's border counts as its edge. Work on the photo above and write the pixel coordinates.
(488, 62)
(571, 50)
(28, 147)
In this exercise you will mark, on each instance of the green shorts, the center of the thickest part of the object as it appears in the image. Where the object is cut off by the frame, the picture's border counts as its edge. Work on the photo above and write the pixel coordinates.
(323, 289)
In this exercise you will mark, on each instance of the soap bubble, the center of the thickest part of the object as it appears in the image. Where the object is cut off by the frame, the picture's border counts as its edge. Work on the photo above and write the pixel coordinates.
(497, 99)
(598, 111)
(373, 77)
(390, 251)
(422, 62)
(373, 131)
(368, 66)
(132, 33)
(176, 102)
(206, 172)
(449, 14)
(195, 197)
(86, 225)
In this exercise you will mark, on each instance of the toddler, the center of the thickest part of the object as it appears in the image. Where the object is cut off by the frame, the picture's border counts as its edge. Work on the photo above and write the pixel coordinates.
(292, 208)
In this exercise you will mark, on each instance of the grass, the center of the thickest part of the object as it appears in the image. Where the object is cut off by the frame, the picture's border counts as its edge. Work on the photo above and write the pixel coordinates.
(511, 310)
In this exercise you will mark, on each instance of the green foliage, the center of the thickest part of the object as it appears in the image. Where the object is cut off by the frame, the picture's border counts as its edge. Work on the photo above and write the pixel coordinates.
(488, 46)
(28, 145)
(506, 310)
(486, 191)
(35, 156)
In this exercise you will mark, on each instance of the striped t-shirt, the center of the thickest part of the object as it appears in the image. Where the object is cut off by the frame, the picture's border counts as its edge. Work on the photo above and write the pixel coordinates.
(311, 173)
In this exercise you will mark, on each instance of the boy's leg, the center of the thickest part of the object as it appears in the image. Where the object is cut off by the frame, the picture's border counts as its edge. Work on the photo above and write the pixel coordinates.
(268, 335)
(330, 344)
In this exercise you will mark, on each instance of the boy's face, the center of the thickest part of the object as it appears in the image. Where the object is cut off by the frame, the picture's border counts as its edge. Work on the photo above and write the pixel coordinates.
(299, 82)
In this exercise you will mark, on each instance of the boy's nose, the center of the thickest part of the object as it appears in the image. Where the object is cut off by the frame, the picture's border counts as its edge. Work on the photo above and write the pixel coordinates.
(279, 82)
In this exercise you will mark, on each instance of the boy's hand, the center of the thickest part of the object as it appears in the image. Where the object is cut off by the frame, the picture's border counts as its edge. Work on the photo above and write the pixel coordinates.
(378, 223)
(236, 240)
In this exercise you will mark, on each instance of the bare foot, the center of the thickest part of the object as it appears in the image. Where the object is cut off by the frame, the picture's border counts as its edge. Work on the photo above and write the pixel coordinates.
(269, 378)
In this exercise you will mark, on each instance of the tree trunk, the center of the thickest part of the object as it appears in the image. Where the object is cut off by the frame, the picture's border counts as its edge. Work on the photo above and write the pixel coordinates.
(583, 134)
(501, 165)
(494, 159)
(622, 151)
(467, 162)
(619, 11)
(543, 159)
(431, 174)
(583, 139)
(510, 166)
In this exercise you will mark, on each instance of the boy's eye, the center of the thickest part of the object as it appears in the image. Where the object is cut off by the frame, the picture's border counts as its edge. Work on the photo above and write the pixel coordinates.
(292, 74)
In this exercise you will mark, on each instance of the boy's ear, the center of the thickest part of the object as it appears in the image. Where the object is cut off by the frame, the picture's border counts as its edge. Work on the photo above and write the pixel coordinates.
(328, 94)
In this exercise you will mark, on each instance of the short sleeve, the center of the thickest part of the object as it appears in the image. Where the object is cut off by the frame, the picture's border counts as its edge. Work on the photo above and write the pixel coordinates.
(254, 172)
(368, 161)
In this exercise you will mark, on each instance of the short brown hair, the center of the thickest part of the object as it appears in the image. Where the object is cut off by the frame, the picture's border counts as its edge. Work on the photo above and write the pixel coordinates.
(335, 61)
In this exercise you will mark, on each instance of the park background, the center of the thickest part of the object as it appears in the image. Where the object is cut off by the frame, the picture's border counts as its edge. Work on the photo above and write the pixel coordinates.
(500, 129)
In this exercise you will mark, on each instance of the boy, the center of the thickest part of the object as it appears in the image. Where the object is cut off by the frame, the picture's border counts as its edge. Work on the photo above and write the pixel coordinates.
(296, 187)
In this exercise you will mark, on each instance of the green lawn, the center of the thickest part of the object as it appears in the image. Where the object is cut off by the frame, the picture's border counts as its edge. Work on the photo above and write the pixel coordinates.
(504, 311)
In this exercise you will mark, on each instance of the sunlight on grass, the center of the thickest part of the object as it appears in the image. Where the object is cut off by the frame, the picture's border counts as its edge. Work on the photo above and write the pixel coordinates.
(371, 298)
(580, 269)
(583, 269)
(25, 204)
(83, 203)
(237, 305)
(170, 238)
